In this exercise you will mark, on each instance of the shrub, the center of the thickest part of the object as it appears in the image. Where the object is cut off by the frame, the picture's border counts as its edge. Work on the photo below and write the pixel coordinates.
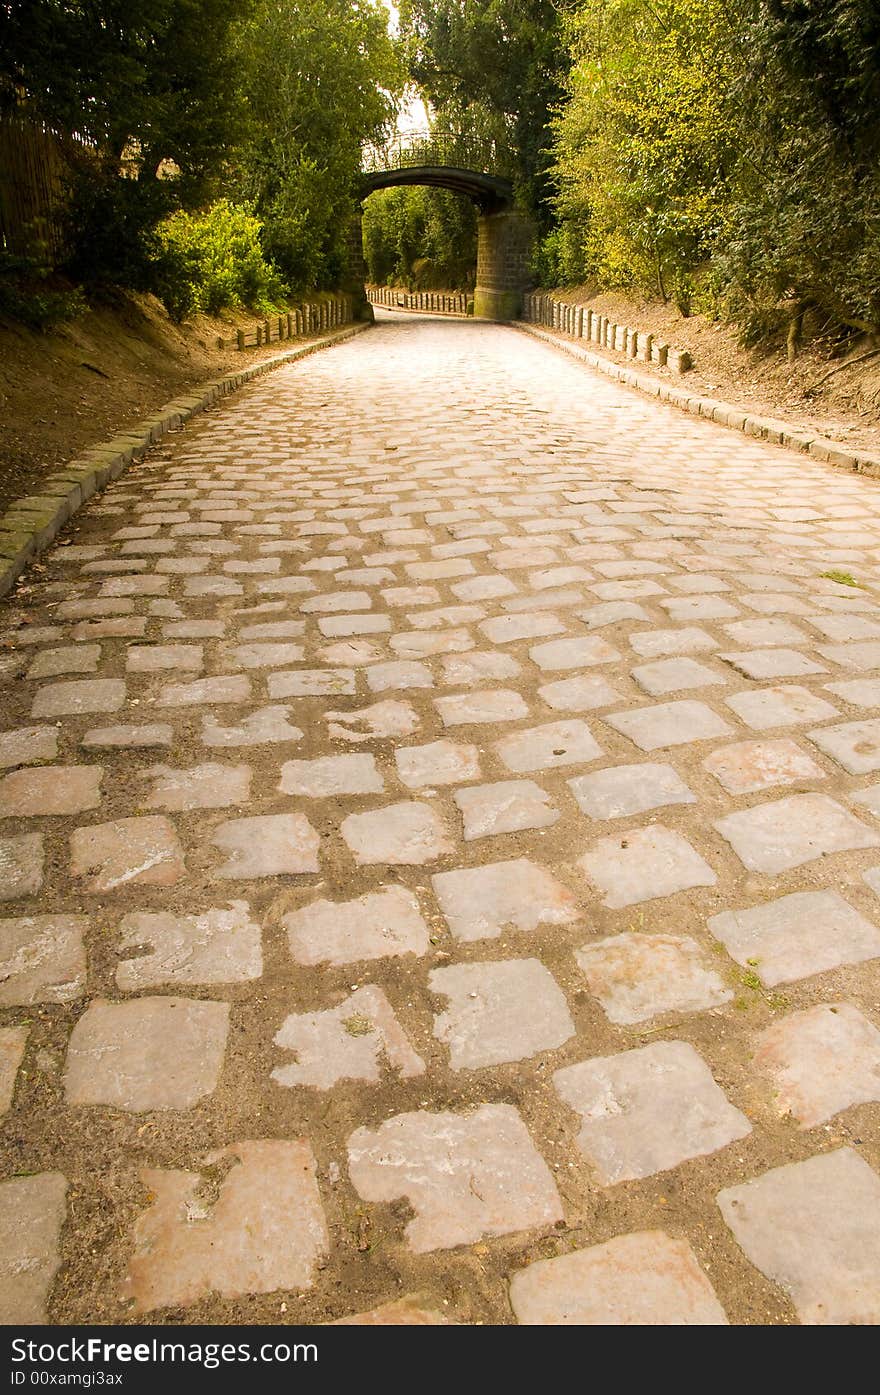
(213, 260)
(31, 295)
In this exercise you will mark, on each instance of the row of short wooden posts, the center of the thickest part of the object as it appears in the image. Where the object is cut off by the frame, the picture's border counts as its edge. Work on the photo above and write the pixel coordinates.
(438, 302)
(299, 321)
(580, 322)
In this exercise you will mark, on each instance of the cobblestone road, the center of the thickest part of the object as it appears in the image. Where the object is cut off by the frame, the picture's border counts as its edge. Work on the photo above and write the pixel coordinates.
(440, 854)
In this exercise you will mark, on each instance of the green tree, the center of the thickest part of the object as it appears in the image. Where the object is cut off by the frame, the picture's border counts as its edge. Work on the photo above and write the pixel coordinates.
(643, 146)
(145, 90)
(420, 238)
(322, 79)
(495, 68)
(803, 235)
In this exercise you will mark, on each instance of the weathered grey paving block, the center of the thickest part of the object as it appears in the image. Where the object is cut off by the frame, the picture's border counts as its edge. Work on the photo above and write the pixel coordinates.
(462, 670)
(331, 775)
(492, 705)
(441, 616)
(578, 694)
(335, 625)
(71, 658)
(465, 1175)
(621, 790)
(147, 1053)
(420, 644)
(611, 613)
(50, 790)
(78, 696)
(438, 763)
(499, 1012)
(338, 601)
(42, 959)
(157, 658)
(210, 786)
(668, 724)
(699, 608)
(647, 1279)
(319, 682)
(541, 748)
(265, 1230)
(581, 652)
(266, 845)
(652, 644)
(814, 1228)
(481, 902)
(483, 588)
(207, 692)
(262, 726)
(13, 1041)
(408, 833)
(125, 736)
(389, 718)
(821, 1060)
(139, 851)
(772, 663)
(648, 1110)
(644, 864)
(774, 837)
(21, 865)
(674, 676)
(861, 692)
(349, 1042)
(352, 652)
(756, 765)
(854, 745)
(221, 945)
(375, 926)
(27, 746)
(861, 657)
(638, 976)
(398, 673)
(505, 807)
(787, 705)
(267, 655)
(766, 633)
(797, 936)
(32, 1212)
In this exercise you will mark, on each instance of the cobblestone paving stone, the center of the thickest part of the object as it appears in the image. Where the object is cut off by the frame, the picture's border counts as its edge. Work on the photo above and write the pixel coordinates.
(439, 864)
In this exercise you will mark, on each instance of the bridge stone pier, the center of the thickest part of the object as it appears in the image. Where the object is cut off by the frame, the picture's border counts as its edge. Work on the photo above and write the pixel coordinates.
(504, 239)
(468, 167)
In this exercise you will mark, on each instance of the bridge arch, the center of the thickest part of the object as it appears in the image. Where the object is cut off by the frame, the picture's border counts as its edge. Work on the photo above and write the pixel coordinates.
(472, 168)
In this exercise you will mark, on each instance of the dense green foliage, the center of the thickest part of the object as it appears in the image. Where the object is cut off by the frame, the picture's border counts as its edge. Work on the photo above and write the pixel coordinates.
(208, 261)
(643, 149)
(424, 239)
(721, 153)
(320, 74)
(803, 228)
(496, 68)
(168, 107)
(724, 149)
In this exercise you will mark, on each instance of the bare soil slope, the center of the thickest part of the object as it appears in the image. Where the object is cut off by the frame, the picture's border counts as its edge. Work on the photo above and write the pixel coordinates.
(81, 382)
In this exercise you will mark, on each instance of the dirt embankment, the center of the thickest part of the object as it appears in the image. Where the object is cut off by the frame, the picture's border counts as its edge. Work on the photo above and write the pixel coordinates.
(77, 384)
(845, 406)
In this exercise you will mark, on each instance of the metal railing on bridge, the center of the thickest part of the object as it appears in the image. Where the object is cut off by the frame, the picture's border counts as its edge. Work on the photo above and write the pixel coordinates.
(451, 149)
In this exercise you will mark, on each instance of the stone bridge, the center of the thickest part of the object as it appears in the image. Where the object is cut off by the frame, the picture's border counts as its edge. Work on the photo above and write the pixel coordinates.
(473, 167)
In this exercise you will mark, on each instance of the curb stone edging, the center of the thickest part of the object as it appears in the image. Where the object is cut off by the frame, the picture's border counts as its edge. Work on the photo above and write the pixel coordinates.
(30, 524)
(778, 433)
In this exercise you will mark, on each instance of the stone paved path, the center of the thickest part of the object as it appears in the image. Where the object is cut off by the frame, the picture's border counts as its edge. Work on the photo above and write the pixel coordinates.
(440, 847)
